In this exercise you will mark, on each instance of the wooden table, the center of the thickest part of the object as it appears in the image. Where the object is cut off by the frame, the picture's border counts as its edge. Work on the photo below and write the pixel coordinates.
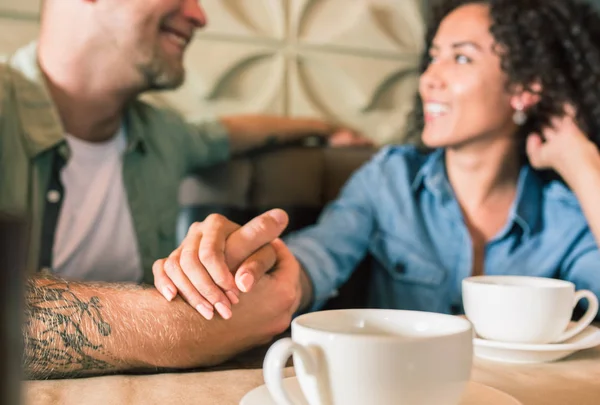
(571, 381)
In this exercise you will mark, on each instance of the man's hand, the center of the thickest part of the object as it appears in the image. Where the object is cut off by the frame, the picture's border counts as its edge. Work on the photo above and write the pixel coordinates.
(343, 137)
(200, 270)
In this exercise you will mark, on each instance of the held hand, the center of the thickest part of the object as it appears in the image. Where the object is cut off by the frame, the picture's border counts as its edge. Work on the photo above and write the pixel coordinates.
(563, 147)
(263, 313)
(286, 275)
(199, 270)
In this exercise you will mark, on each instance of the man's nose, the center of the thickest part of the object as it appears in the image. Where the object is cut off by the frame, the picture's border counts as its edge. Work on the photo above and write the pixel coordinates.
(193, 11)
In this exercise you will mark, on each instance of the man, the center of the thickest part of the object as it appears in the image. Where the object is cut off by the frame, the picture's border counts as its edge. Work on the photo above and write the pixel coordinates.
(95, 169)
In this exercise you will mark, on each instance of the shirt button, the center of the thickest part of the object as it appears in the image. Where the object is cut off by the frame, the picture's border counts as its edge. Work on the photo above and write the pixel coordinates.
(53, 196)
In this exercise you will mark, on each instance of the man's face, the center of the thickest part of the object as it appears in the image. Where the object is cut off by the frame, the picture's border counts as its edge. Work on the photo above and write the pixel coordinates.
(153, 35)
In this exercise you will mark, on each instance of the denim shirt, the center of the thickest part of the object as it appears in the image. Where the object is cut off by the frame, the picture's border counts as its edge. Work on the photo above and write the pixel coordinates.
(401, 209)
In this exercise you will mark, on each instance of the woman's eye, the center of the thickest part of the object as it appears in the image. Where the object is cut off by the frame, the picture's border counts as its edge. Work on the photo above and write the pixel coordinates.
(462, 59)
(432, 59)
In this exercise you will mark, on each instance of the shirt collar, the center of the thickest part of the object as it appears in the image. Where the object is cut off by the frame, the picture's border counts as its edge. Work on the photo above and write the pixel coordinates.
(527, 207)
(432, 176)
(42, 127)
(134, 128)
(525, 211)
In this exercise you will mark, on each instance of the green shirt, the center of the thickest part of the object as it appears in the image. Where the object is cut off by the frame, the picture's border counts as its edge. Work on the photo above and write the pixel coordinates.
(162, 149)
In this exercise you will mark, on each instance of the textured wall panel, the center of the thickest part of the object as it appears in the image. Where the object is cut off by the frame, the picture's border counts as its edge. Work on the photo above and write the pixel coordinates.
(18, 23)
(15, 33)
(351, 61)
(20, 6)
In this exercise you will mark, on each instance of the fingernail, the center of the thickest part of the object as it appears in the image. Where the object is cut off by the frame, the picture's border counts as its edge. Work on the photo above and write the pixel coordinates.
(205, 311)
(279, 216)
(232, 297)
(223, 310)
(246, 281)
(169, 293)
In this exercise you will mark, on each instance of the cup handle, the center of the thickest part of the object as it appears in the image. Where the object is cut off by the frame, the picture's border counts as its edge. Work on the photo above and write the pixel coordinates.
(275, 360)
(586, 319)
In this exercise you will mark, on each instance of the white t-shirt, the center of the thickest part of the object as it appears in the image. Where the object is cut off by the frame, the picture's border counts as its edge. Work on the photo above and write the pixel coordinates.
(95, 238)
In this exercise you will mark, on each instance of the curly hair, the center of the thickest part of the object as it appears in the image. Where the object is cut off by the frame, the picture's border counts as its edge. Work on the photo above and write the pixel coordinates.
(551, 43)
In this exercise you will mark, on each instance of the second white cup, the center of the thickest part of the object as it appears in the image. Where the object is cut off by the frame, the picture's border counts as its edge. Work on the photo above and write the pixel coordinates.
(520, 309)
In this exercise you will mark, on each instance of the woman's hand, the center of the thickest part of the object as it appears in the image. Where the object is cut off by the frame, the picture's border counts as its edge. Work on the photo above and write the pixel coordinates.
(563, 148)
(346, 137)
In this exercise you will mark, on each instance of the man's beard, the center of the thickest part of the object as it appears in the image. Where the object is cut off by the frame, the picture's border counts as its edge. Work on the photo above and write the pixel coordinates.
(158, 74)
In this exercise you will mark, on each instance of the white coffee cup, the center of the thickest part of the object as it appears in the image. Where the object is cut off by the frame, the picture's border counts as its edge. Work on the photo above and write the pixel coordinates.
(522, 309)
(374, 356)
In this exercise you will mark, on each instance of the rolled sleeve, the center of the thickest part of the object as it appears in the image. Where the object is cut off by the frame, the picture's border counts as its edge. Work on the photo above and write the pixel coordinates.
(330, 250)
(208, 144)
(322, 278)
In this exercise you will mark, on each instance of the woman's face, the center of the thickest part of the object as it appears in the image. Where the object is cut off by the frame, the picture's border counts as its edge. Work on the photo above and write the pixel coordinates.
(465, 100)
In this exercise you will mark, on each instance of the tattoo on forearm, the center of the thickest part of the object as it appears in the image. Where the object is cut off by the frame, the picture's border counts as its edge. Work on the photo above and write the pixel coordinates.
(62, 332)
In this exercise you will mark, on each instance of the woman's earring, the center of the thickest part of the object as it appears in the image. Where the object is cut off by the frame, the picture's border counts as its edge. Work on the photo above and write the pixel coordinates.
(519, 117)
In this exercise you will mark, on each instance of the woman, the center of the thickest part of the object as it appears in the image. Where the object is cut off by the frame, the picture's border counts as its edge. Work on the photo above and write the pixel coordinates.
(510, 95)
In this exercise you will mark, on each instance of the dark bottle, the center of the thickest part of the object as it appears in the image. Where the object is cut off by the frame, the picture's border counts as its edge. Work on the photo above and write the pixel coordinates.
(13, 237)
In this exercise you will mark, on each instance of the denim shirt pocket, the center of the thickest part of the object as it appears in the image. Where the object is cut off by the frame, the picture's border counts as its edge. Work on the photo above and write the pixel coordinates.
(405, 262)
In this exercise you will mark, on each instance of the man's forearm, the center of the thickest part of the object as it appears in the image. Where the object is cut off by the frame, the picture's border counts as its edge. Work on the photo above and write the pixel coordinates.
(74, 329)
(248, 132)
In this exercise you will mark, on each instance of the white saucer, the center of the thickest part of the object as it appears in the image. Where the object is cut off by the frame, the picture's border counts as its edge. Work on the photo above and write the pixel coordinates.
(476, 394)
(533, 353)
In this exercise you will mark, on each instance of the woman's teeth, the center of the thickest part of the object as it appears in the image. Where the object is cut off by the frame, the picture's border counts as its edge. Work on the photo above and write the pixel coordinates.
(436, 108)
